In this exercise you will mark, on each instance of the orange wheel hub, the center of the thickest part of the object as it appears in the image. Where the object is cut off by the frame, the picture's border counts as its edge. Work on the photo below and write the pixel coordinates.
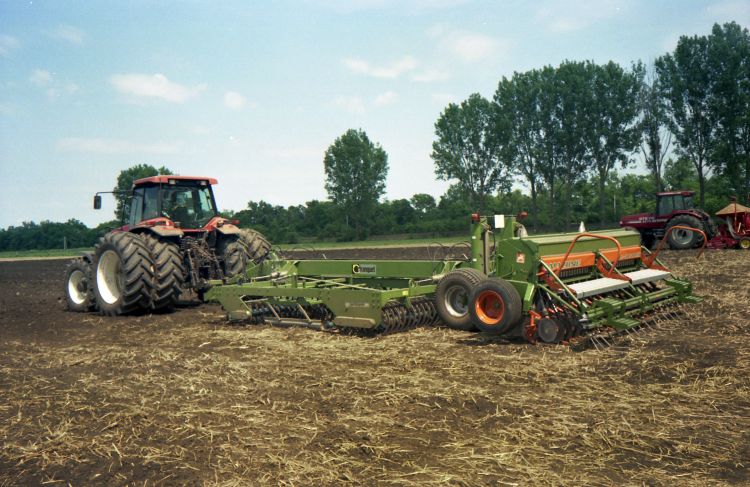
(490, 307)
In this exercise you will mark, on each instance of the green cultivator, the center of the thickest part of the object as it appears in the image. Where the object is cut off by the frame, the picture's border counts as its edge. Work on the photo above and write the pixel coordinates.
(579, 289)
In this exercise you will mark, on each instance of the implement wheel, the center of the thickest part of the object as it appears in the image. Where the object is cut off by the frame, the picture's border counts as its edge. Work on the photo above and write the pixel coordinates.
(495, 306)
(169, 272)
(745, 243)
(79, 294)
(123, 272)
(452, 298)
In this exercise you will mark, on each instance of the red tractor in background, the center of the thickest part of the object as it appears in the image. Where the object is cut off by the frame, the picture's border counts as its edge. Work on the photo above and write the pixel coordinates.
(172, 240)
(673, 208)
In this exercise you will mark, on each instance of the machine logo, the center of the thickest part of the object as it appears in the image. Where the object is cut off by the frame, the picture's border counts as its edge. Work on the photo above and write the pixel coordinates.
(520, 258)
(364, 269)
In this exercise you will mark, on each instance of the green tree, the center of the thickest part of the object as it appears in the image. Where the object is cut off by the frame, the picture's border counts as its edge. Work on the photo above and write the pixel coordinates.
(613, 131)
(423, 203)
(657, 137)
(729, 65)
(469, 149)
(680, 175)
(125, 184)
(355, 170)
(686, 77)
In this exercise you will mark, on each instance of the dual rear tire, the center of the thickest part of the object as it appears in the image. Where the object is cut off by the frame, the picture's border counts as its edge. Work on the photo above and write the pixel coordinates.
(467, 300)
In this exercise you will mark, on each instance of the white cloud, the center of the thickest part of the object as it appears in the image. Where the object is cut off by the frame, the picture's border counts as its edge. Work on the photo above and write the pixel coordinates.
(472, 47)
(739, 11)
(8, 44)
(390, 71)
(40, 77)
(467, 46)
(352, 104)
(566, 16)
(386, 98)
(443, 98)
(234, 101)
(429, 76)
(68, 33)
(116, 146)
(294, 152)
(154, 86)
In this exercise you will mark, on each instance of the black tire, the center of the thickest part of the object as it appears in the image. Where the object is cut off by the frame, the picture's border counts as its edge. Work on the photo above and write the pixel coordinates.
(256, 244)
(79, 293)
(452, 298)
(234, 254)
(648, 240)
(169, 272)
(123, 274)
(495, 306)
(684, 239)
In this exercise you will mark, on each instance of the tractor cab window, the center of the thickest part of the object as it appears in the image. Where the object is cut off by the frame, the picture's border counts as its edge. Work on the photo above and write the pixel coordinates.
(687, 201)
(150, 202)
(666, 205)
(679, 203)
(190, 205)
(136, 207)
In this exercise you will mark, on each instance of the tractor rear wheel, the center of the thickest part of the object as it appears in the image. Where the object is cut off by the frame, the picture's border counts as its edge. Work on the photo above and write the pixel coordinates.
(79, 294)
(680, 239)
(123, 274)
(234, 253)
(495, 306)
(169, 272)
(257, 245)
(452, 297)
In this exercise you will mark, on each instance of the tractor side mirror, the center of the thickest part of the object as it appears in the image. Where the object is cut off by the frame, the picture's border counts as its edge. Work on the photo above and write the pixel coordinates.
(97, 202)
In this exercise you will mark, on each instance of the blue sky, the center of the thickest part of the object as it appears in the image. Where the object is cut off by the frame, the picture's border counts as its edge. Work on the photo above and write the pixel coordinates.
(252, 93)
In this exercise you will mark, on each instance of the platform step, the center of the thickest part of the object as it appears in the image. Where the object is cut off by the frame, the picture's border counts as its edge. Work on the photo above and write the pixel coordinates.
(647, 275)
(597, 286)
(624, 323)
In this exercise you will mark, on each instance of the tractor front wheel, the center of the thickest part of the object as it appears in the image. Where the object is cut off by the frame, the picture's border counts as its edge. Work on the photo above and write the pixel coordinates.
(452, 297)
(681, 239)
(79, 294)
(495, 306)
(123, 274)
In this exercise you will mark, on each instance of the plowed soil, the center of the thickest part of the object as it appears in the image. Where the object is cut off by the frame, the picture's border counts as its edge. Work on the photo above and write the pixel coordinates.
(187, 399)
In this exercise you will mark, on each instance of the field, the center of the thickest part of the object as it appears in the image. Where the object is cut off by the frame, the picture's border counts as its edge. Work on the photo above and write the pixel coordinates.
(185, 398)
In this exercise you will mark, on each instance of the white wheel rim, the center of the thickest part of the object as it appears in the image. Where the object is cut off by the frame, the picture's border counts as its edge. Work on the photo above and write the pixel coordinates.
(457, 301)
(75, 281)
(108, 277)
(682, 236)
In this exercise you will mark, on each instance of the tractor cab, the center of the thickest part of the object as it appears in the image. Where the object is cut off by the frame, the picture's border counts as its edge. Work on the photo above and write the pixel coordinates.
(669, 202)
(188, 202)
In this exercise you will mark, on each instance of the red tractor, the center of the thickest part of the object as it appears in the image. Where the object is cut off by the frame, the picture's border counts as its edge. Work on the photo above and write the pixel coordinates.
(172, 240)
(673, 208)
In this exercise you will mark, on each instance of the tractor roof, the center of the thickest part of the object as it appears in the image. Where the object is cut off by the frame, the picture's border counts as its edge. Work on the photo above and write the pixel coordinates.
(165, 179)
(673, 193)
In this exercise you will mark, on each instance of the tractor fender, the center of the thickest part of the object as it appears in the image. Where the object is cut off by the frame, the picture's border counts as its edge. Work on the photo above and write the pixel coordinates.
(163, 231)
(228, 229)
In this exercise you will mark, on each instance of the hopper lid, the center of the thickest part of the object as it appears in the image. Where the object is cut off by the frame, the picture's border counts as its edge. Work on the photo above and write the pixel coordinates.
(731, 209)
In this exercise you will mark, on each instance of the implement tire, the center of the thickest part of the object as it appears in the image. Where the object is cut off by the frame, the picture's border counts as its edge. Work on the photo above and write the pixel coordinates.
(79, 293)
(169, 272)
(257, 246)
(123, 274)
(680, 239)
(495, 306)
(452, 298)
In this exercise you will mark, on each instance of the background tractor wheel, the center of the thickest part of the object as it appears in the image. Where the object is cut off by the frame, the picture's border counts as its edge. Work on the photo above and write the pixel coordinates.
(79, 294)
(169, 272)
(234, 253)
(123, 274)
(256, 244)
(680, 239)
(495, 306)
(452, 297)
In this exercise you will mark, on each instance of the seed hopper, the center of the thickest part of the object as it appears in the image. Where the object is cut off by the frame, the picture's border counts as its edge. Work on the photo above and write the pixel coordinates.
(579, 288)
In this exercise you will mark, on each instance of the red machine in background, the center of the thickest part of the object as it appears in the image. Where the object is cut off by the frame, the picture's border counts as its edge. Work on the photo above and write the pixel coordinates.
(734, 228)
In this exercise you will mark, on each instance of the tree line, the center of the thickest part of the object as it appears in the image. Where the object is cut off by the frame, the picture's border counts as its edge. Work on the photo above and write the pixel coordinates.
(567, 133)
